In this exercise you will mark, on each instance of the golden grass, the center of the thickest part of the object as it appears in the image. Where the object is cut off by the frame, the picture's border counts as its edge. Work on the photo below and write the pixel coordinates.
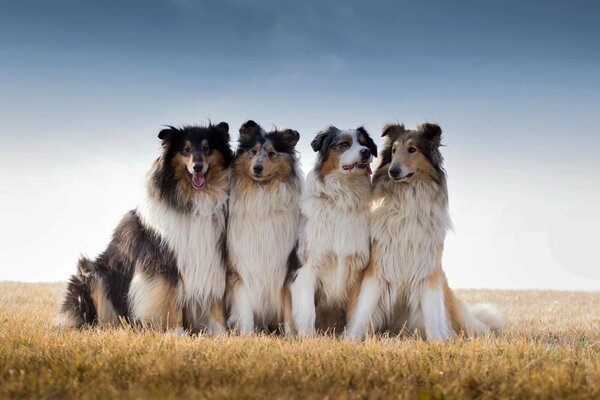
(551, 349)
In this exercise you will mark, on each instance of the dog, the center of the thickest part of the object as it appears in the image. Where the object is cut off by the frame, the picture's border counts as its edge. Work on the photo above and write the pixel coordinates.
(404, 286)
(165, 265)
(334, 239)
(262, 229)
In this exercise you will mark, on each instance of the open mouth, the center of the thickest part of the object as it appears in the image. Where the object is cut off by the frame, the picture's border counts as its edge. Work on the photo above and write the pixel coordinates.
(198, 180)
(365, 166)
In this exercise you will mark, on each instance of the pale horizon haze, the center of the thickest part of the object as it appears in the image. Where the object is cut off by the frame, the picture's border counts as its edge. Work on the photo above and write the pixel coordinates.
(85, 87)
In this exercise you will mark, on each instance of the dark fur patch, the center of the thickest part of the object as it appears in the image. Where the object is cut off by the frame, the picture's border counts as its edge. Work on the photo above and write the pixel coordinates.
(133, 248)
(284, 141)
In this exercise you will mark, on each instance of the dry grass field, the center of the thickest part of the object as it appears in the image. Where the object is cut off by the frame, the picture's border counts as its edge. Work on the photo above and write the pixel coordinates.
(551, 349)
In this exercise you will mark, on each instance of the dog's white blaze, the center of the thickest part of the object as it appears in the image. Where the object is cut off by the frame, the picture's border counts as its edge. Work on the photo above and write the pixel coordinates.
(262, 232)
(194, 238)
(352, 155)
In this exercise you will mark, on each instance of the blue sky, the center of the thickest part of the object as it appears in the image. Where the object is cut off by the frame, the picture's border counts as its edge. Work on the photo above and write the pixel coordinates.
(85, 87)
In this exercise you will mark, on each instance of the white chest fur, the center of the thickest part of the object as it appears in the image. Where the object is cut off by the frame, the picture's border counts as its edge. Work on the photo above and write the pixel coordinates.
(194, 239)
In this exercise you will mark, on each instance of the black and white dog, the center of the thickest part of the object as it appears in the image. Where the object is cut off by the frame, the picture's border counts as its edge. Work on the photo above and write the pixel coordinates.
(165, 266)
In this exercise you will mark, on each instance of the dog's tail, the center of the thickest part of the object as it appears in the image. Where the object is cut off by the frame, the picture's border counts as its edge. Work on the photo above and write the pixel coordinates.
(78, 309)
(477, 319)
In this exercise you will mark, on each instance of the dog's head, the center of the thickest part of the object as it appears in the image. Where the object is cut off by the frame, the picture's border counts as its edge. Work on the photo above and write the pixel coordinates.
(265, 156)
(344, 151)
(195, 156)
(411, 154)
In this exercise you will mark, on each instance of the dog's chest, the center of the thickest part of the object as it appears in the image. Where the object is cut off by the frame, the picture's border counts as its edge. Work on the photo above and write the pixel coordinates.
(335, 231)
(409, 238)
(195, 239)
(262, 231)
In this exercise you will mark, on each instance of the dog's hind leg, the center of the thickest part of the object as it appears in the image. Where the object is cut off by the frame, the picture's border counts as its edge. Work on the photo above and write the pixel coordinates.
(153, 303)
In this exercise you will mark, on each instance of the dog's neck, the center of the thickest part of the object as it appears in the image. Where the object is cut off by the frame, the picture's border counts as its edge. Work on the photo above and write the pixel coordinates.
(424, 200)
(341, 190)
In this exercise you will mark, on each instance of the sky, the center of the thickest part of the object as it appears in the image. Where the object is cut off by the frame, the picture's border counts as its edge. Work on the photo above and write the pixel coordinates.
(85, 87)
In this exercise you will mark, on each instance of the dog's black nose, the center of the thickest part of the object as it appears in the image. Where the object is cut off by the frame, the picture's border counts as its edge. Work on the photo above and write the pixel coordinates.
(197, 167)
(365, 152)
(395, 171)
(258, 168)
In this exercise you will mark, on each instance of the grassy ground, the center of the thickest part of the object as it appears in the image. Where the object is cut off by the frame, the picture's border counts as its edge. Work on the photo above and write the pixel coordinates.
(551, 349)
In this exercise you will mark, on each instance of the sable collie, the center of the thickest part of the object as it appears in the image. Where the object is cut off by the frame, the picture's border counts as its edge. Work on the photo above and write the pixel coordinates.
(262, 233)
(404, 285)
(165, 265)
(334, 242)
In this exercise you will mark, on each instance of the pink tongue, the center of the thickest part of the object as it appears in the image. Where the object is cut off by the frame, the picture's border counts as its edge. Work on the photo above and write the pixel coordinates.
(198, 180)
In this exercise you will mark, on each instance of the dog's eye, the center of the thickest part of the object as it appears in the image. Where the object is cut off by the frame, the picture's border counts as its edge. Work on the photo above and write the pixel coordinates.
(206, 149)
(252, 153)
(186, 151)
(344, 145)
(411, 149)
(272, 154)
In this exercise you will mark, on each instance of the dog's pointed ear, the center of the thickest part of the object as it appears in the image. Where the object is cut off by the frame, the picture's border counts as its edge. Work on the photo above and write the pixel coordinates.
(166, 135)
(369, 143)
(317, 142)
(223, 129)
(432, 132)
(249, 129)
(290, 137)
(391, 131)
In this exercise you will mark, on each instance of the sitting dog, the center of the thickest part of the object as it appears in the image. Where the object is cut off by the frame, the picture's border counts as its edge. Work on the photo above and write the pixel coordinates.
(263, 227)
(165, 265)
(404, 286)
(334, 242)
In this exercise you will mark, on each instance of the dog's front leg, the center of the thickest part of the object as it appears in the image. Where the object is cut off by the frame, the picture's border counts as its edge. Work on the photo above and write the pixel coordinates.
(361, 315)
(433, 308)
(216, 320)
(242, 313)
(303, 301)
